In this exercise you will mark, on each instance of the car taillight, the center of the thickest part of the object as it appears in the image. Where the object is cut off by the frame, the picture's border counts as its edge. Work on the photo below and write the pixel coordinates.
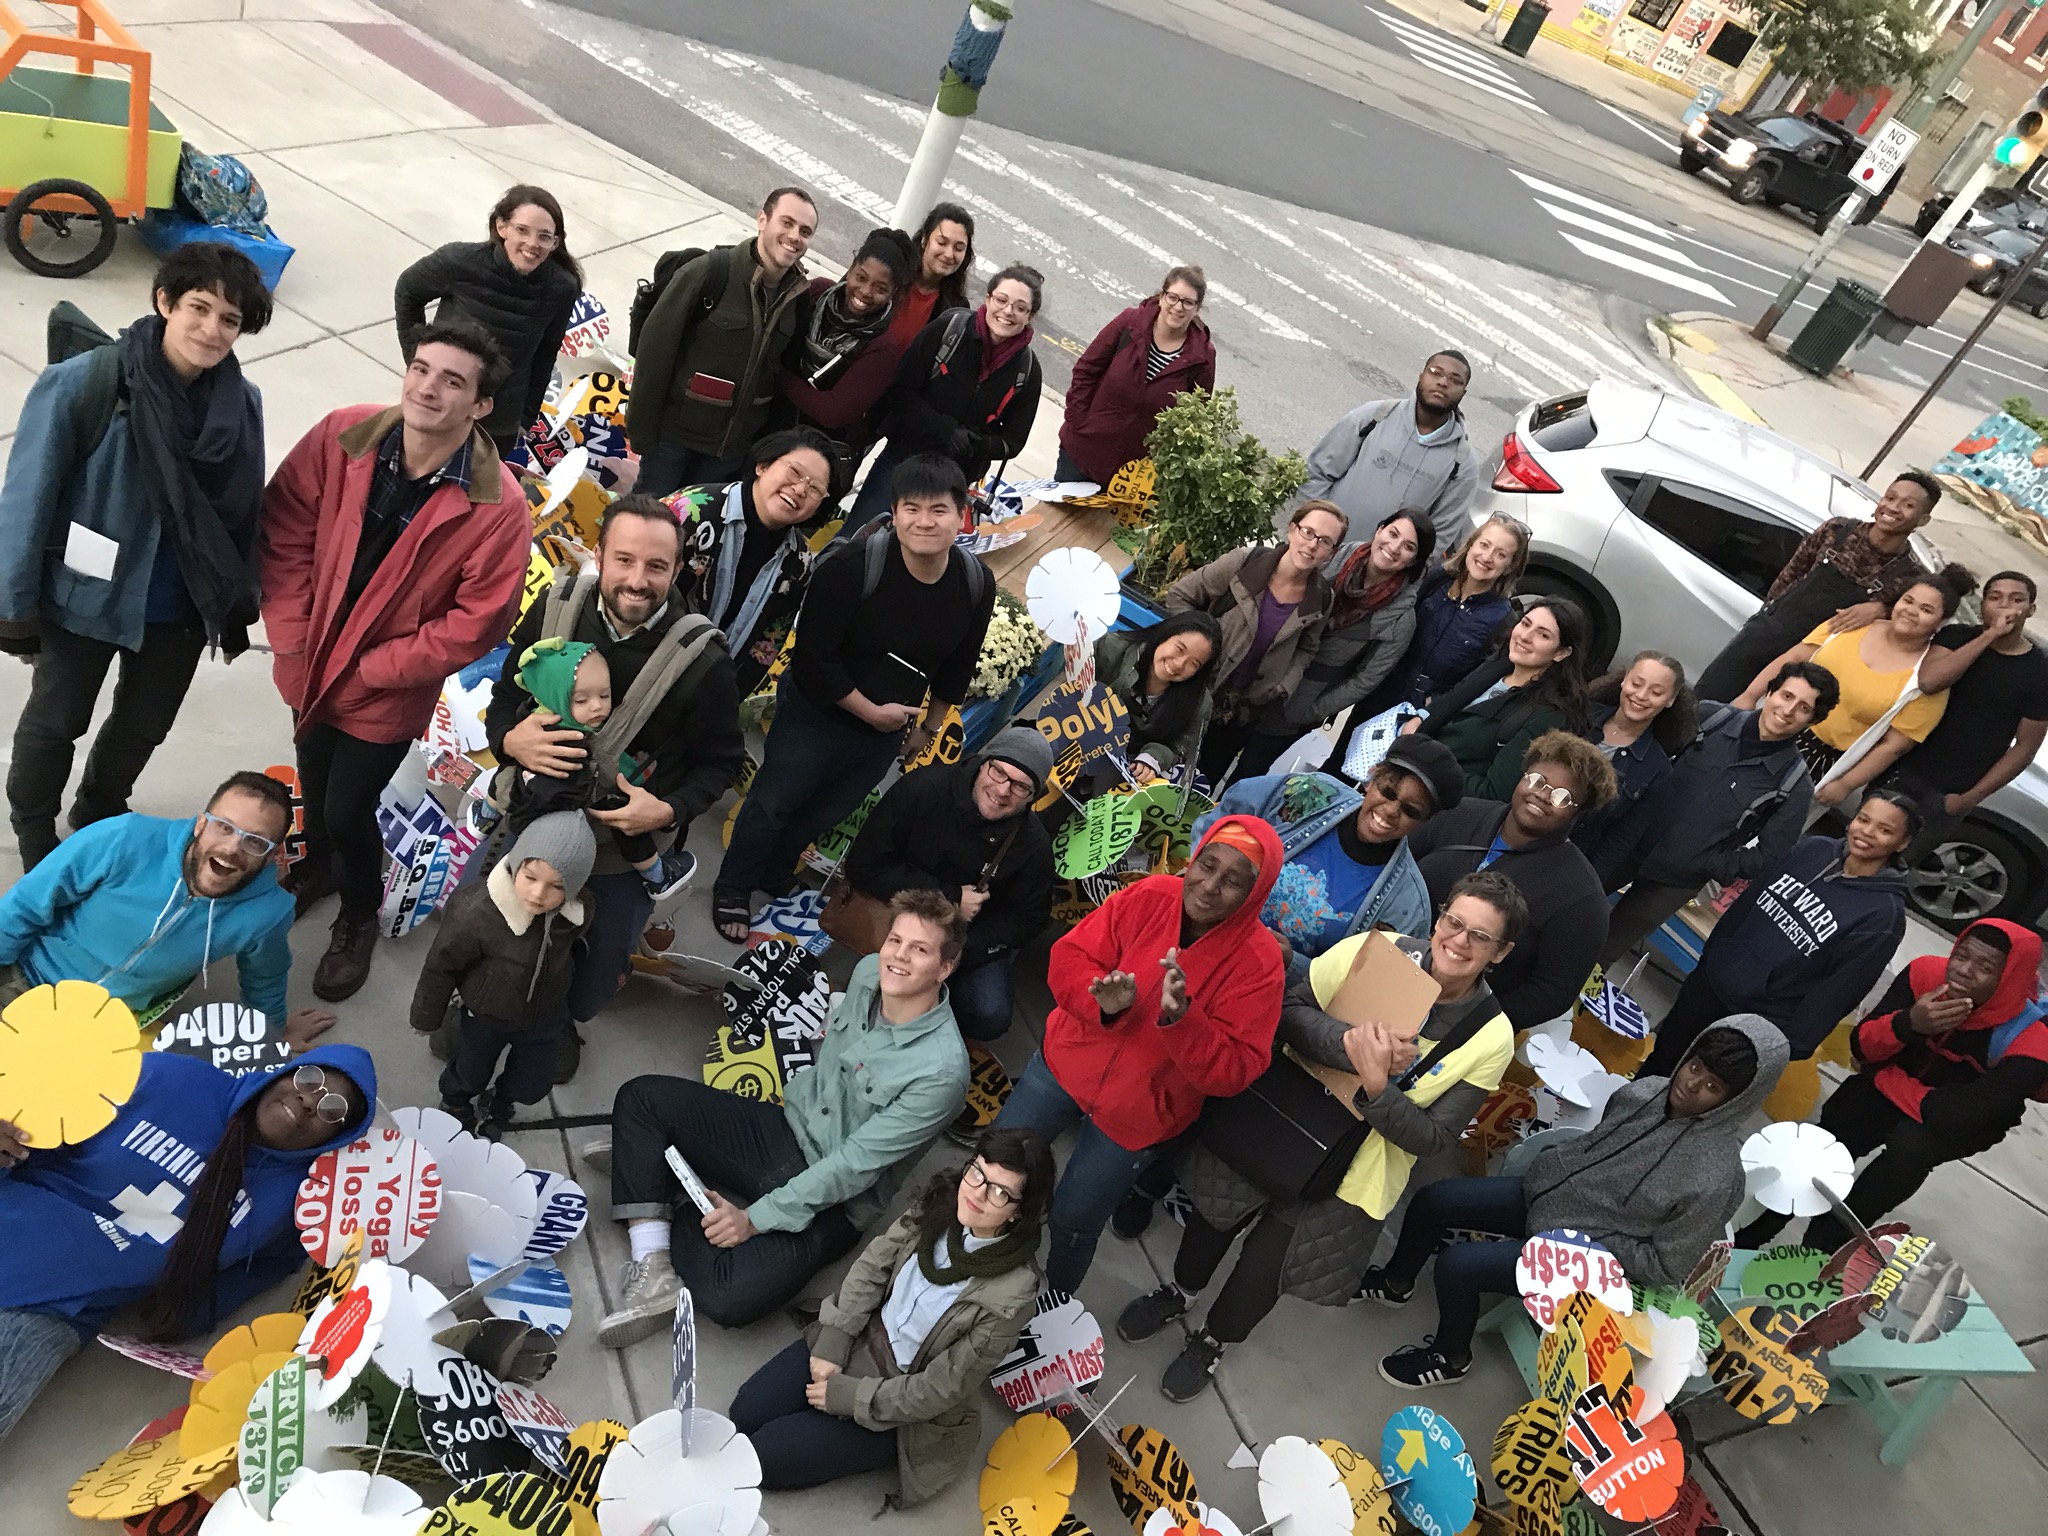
(1520, 472)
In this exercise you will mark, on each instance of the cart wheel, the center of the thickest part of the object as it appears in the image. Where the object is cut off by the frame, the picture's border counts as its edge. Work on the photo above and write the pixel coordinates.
(52, 242)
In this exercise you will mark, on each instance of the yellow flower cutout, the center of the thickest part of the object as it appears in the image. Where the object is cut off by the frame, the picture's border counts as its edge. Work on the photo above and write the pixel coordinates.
(1029, 1478)
(141, 1477)
(69, 1058)
(240, 1361)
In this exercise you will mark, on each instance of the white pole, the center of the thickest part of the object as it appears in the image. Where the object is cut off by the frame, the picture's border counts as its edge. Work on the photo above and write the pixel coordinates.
(960, 82)
(1964, 200)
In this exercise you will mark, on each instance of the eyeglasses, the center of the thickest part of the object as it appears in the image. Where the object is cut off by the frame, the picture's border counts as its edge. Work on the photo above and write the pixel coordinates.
(541, 237)
(1010, 784)
(1180, 301)
(1558, 795)
(247, 842)
(333, 1107)
(1455, 927)
(974, 1176)
(1314, 540)
(1009, 306)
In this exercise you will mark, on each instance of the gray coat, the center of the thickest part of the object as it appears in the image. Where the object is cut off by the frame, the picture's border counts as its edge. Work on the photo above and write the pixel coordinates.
(1373, 463)
(1333, 1239)
(1348, 663)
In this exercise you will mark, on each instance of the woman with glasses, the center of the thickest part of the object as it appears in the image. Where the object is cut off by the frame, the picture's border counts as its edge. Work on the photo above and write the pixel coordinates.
(892, 1371)
(1533, 684)
(1131, 372)
(1528, 839)
(1271, 605)
(1419, 1090)
(967, 388)
(521, 284)
(184, 1204)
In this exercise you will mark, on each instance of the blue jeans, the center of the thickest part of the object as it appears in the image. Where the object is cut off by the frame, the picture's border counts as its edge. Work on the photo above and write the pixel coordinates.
(801, 1446)
(874, 499)
(32, 1346)
(981, 1000)
(1098, 1171)
(671, 466)
(816, 766)
(621, 904)
(1464, 1271)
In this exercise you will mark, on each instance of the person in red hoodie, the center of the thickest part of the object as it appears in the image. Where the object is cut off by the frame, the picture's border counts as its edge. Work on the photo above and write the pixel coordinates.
(1166, 995)
(394, 547)
(1130, 373)
(1950, 1056)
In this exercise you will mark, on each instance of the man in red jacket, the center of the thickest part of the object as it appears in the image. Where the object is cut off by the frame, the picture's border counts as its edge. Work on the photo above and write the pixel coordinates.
(1165, 996)
(1950, 1056)
(394, 550)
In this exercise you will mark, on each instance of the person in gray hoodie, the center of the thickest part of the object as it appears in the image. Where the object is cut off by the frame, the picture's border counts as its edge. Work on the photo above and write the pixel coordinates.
(1388, 455)
(1656, 1182)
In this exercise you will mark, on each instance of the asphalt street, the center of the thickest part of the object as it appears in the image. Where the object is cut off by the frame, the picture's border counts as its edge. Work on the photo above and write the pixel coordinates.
(1345, 237)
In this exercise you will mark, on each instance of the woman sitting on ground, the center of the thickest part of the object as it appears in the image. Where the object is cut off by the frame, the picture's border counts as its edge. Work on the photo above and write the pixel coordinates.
(1163, 674)
(1533, 684)
(1419, 1094)
(1654, 1183)
(893, 1369)
(1643, 717)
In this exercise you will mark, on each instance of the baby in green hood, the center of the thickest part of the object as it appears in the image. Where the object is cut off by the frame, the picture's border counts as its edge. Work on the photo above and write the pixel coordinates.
(571, 680)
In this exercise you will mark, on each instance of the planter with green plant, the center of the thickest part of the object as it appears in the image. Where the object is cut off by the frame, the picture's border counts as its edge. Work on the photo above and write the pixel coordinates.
(1217, 488)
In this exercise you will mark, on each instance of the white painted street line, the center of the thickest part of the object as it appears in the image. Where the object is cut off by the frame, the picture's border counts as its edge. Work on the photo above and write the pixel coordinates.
(1647, 269)
(1433, 51)
(1659, 248)
(1668, 140)
(1606, 210)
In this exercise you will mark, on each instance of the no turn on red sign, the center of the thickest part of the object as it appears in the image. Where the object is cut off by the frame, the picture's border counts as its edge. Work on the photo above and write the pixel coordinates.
(1881, 161)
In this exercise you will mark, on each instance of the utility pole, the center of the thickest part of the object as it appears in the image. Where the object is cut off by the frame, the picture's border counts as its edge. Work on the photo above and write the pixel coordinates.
(960, 83)
(1915, 112)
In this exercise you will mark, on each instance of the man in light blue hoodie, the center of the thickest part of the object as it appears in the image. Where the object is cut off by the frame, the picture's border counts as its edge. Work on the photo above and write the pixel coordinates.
(142, 905)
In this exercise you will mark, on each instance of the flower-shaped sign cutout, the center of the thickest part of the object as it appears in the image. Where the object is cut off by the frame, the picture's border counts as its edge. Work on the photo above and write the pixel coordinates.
(1155, 1476)
(144, 1476)
(1029, 1461)
(1072, 596)
(1530, 1463)
(540, 1426)
(1789, 1277)
(1372, 1507)
(271, 1445)
(503, 1504)
(647, 1478)
(1209, 1521)
(342, 1331)
(347, 1503)
(1758, 1374)
(1061, 1345)
(1631, 1470)
(1554, 1265)
(384, 1184)
(1301, 1491)
(583, 1460)
(1425, 1466)
(1790, 1166)
(69, 1058)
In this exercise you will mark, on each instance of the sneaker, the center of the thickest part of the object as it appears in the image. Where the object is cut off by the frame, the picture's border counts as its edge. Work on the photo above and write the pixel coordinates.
(568, 1055)
(346, 965)
(495, 1119)
(1192, 1370)
(1151, 1312)
(647, 1302)
(1422, 1365)
(310, 881)
(597, 1155)
(670, 875)
(462, 1110)
(1132, 1216)
(1378, 1286)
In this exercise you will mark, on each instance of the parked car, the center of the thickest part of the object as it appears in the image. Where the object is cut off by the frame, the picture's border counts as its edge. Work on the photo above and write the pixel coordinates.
(1688, 513)
(1780, 158)
(1998, 251)
(2008, 206)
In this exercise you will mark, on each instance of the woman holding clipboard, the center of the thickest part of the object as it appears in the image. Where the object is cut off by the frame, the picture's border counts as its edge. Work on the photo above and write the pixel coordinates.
(1417, 1090)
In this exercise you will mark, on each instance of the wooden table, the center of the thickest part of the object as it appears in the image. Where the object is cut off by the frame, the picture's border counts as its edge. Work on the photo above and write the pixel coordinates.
(1061, 527)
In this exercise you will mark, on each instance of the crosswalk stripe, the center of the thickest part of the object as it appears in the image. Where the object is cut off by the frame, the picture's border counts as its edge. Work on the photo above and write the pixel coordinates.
(1514, 96)
(1454, 61)
(1607, 210)
(1615, 232)
(1593, 367)
(1643, 268)
(1424, 37)
(1470, 73)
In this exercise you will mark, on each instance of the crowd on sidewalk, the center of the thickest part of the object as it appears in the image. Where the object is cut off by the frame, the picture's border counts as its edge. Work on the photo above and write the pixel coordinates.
(1510, 821)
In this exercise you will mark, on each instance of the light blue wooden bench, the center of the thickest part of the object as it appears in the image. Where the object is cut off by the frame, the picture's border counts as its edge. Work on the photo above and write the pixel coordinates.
(1902, 1386)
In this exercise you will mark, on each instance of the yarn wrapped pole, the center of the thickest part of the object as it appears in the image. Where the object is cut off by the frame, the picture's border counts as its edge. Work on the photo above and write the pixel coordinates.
(966, 71)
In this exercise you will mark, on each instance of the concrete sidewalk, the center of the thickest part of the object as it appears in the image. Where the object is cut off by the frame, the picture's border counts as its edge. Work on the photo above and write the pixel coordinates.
(374, 147)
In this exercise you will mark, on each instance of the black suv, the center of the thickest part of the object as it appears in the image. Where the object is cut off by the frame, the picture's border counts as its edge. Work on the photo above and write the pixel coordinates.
(1779, 158)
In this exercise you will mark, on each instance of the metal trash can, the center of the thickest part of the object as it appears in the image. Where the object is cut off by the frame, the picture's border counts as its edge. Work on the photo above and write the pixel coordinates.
(1521, 32)
(1825, 339)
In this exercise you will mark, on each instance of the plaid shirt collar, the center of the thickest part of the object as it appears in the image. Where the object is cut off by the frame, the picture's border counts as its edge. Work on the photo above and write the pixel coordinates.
(391, 462)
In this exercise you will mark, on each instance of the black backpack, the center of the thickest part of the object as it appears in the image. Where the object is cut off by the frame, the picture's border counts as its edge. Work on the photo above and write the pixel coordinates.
(1764, 806)
(873, 543)
(666, 266)
(70, 331)
(957, 321)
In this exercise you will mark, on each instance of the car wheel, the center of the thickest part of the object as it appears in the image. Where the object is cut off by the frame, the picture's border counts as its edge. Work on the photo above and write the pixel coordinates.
(1748, 186)
(1979, 871)
(1927, 218)
(1606, 635)
(1692, 165)
(1993, 285)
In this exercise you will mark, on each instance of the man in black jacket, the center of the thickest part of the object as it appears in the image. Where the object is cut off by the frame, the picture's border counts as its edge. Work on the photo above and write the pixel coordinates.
(1731, 807)
(966, 831)
(1529, 840)
(691, 734)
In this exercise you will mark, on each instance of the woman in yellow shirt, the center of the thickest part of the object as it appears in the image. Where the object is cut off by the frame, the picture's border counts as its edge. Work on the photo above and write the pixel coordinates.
(1876, 665)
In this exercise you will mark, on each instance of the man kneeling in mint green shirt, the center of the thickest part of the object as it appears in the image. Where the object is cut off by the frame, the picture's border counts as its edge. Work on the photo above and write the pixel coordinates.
(143, 905)
(791, 1187)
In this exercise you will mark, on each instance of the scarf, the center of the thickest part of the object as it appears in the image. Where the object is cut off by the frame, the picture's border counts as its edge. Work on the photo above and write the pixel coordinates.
(201, 447)
(996, 354)
(1018, 1245)
(834, 333)
(1353, 599)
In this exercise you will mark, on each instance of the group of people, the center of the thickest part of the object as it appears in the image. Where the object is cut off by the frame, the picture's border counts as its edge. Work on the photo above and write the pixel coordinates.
(1513, 822)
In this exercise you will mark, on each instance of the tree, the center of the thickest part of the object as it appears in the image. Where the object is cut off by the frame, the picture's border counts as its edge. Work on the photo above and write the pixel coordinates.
(1850, 45)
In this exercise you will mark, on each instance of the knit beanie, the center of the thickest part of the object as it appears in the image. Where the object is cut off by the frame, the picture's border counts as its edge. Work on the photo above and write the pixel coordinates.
(547, 670)
(564, 842)
(1022, 747)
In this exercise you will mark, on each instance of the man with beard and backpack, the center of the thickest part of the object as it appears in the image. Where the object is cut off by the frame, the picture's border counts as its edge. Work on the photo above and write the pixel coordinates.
(128, 528)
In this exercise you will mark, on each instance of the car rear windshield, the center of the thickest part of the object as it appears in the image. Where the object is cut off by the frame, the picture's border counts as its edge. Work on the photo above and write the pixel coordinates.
(1563, 423)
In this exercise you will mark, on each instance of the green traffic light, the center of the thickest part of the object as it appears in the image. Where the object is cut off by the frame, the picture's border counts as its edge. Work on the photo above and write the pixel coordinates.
(2010, 151)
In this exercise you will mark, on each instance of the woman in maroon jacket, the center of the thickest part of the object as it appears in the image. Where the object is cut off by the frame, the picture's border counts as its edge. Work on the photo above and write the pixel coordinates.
(1130, 373)
(1165, 996)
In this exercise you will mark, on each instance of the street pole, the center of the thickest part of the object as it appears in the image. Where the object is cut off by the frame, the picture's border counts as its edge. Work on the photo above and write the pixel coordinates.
(2005, 297)
(1914, 112)
(960, 82)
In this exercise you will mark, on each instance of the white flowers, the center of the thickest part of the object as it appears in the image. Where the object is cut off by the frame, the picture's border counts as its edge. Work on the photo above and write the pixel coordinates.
(1011, 648)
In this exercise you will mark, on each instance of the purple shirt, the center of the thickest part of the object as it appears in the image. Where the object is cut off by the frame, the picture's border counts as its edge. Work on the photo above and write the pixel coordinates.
(1272, 614)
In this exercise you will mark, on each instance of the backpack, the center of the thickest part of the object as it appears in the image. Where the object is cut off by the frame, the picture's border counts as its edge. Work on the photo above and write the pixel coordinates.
(219, 190)
(873, 544)
(1372, 426)
(1765, 805)
(666, 266)
(70, 331)
(957, 321)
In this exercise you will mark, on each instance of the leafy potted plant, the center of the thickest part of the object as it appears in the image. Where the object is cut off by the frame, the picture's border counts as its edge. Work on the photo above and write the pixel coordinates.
(1217, 487)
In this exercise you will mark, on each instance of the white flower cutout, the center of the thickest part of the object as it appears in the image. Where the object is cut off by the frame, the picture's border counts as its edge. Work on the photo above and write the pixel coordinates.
(1789, 1166)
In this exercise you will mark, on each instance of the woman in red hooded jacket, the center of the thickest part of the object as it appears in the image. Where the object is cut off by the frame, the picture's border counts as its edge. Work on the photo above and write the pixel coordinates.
(1950, 1055)
(1166, 995)
(1131, 372)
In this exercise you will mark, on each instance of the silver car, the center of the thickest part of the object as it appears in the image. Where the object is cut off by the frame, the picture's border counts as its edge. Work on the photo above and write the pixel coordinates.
(1667, 519)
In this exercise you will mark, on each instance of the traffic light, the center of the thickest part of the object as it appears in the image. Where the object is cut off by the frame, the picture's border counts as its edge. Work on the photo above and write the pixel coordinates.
(2029, 137)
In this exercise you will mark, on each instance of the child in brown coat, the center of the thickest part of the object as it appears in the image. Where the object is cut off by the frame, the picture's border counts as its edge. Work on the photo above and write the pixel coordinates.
(506, 945)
